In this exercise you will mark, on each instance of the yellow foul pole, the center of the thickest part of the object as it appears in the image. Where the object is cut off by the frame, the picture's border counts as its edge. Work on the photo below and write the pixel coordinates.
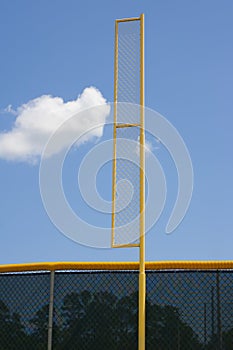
(141, 245)
(142, 276)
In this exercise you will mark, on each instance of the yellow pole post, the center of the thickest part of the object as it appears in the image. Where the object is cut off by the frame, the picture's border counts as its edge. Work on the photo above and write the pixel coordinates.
(142, 276)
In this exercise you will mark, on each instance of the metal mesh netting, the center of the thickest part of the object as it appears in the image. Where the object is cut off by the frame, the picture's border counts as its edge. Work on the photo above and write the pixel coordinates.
(24, 310)
(127, 171)
(128, 77)
(190, 310)
(99, 309)
(91, 310)
(128, 186)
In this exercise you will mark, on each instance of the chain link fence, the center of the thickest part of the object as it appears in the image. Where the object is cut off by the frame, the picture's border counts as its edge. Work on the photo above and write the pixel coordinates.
(98, 309)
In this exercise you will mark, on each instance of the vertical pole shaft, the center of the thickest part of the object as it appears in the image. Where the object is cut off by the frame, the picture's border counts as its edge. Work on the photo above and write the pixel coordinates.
(142, 276)
(50, 323)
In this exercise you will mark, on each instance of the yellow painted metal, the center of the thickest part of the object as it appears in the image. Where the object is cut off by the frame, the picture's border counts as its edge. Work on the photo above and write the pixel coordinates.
(126, 125)
(121, 265)
(142, 276)
(141, 245)
(130, 245)
(128, 19)
(114, 132)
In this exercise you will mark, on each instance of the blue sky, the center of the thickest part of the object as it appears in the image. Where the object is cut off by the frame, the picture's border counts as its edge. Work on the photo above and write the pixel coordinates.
(60, 48)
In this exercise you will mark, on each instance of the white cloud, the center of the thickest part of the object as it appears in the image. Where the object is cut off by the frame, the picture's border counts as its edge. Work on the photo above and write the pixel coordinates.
(37, 120)
(9, 109)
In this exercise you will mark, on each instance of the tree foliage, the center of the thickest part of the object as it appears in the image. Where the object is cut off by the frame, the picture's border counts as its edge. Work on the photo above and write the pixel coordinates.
(97, 321)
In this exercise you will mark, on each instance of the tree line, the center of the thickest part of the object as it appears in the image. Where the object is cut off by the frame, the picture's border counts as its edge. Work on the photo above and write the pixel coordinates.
(101, 320)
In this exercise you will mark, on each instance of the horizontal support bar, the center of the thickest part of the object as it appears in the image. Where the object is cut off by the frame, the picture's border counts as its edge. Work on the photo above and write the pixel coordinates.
(125, 245)
(121, 265)
(128, 19)
(127, 125)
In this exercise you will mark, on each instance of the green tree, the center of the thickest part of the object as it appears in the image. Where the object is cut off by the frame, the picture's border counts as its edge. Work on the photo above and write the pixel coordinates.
(12, 332)
(127, 317)
(167, 331)
(227, 339)
(73, 313)
(39, 323)
(103, 321)
(89, 321)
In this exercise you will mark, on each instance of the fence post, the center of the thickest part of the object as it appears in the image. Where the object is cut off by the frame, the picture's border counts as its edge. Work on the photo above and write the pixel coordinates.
(50, 321)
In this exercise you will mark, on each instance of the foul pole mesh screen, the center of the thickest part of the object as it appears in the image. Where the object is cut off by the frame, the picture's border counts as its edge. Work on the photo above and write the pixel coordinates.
(126, 172)
(128, 69)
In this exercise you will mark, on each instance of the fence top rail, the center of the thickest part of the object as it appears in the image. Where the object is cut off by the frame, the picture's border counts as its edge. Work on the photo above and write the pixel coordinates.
(117, 266)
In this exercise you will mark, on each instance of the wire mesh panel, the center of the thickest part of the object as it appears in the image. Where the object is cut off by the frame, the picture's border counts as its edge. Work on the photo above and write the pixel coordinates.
(127, 124)
(128, 186)
(95, 310)
(128, 70)
(190, 310)
(24, 300)
(98, 309)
